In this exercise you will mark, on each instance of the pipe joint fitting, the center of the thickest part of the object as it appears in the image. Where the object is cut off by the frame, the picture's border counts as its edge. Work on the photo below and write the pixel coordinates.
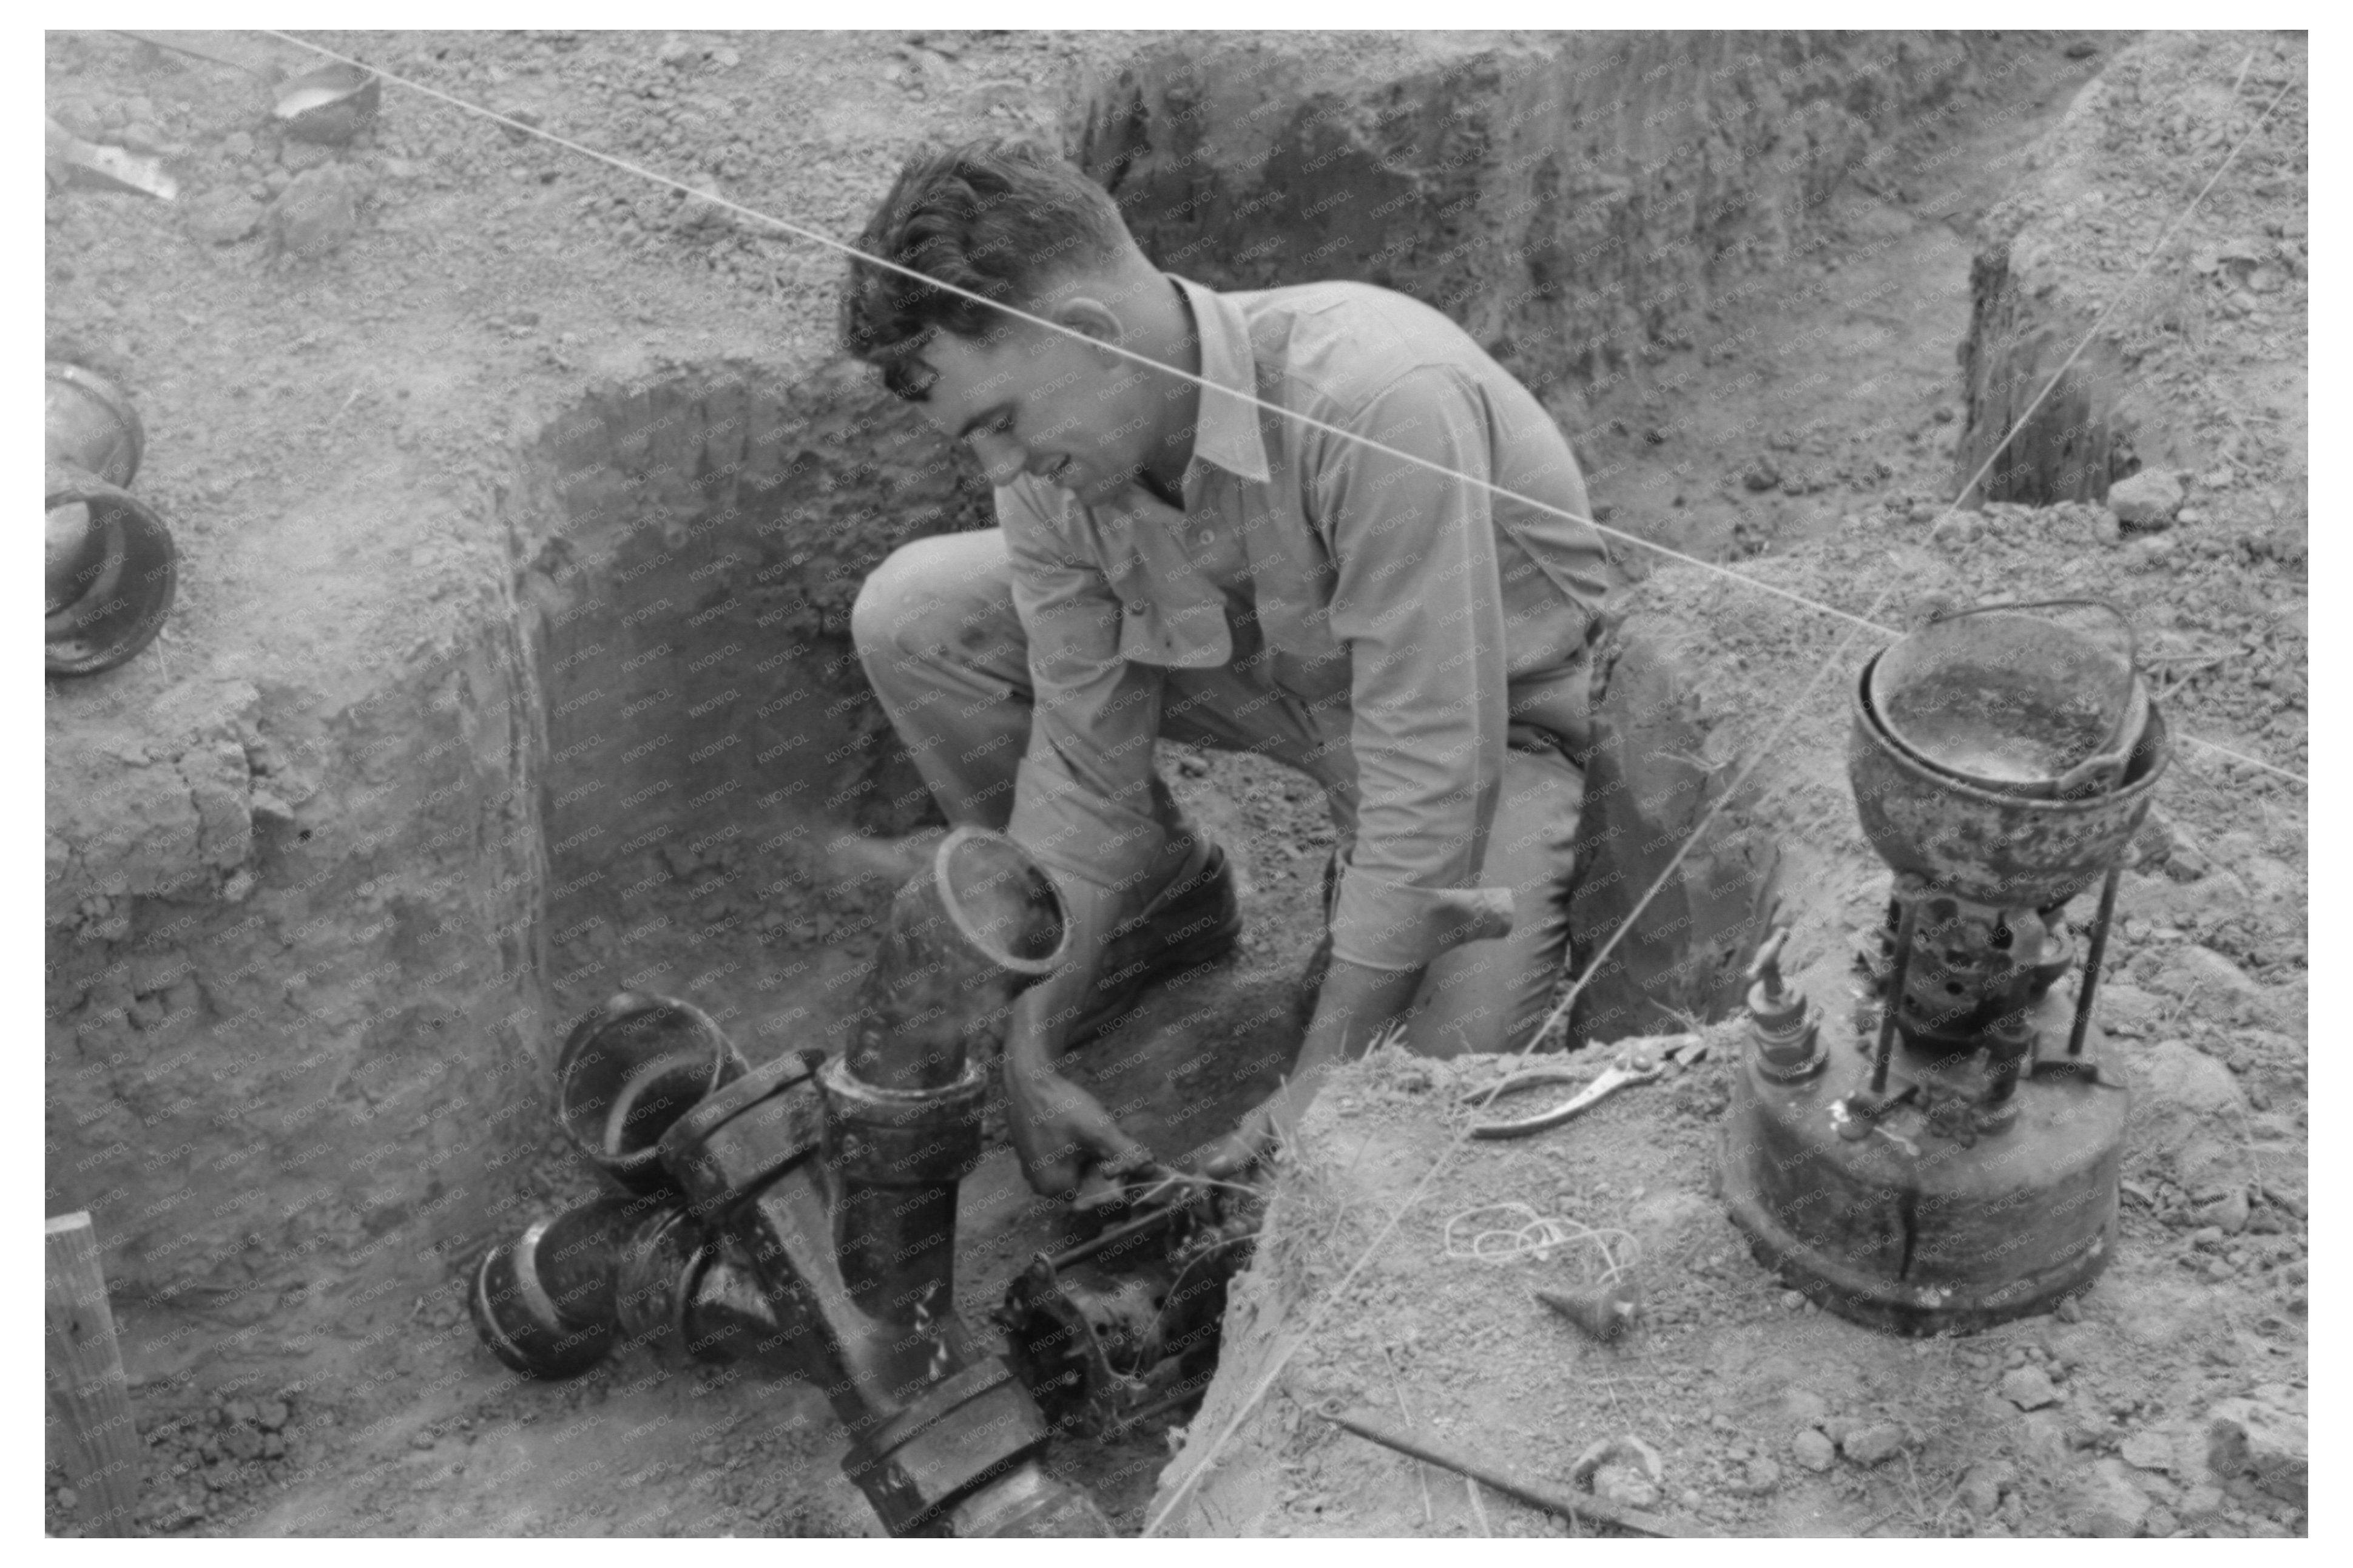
(964, 1431)
(630, 1070)
(901, 1137)
(743, 1137)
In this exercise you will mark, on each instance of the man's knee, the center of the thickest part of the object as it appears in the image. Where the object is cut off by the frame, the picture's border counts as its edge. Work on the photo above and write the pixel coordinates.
(890, 601)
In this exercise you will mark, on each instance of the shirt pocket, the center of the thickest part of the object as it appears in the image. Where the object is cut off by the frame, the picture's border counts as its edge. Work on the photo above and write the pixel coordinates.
(1161, 623)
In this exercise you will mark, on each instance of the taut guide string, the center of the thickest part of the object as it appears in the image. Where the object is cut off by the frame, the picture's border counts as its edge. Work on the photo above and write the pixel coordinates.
(818, 236)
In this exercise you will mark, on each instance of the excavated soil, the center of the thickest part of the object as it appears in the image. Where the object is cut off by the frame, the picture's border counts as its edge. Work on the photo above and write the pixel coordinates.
(519, 511)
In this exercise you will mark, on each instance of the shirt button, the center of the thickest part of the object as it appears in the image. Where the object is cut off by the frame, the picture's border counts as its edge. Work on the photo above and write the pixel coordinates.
(1208, 536)
(1136, 607)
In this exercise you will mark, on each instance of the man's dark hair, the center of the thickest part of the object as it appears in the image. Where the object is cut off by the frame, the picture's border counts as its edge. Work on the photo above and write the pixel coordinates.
(999, 218)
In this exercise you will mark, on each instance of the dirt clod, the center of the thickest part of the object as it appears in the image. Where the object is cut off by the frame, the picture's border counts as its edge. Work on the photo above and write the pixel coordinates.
(315, 213)
(223, 215)
(2147, 500)
(1875, 1443)
(2029, 1388)
(2099, 1501)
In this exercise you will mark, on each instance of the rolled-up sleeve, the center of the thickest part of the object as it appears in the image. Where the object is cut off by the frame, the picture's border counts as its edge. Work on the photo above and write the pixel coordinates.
(1418, 605)
(1082, 797)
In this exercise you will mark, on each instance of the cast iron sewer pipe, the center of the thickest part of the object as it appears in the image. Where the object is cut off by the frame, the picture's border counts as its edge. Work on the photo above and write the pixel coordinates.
(802, 1214)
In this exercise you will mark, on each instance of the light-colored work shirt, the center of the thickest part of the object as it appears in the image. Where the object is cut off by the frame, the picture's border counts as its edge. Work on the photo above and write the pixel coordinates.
(1407, 616)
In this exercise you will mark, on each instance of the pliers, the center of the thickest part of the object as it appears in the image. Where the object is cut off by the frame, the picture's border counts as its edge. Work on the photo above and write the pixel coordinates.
(1635, 1065)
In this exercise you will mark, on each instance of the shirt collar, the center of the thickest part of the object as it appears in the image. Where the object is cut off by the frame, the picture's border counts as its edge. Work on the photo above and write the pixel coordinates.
(1226, 430)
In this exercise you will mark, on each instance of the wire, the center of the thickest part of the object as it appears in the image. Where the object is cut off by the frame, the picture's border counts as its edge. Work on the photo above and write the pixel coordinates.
(820, 236)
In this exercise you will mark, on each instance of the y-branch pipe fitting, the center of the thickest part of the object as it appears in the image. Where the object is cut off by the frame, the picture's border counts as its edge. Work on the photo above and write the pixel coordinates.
(830, 1187)
(838, 1182)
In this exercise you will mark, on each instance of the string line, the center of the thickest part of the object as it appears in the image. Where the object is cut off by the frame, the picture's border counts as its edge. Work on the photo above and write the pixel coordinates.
(820, 236)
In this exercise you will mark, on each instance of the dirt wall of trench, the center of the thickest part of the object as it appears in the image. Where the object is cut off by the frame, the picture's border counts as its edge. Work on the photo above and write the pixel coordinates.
(1573, 201)
(309, 964)
(292, 993)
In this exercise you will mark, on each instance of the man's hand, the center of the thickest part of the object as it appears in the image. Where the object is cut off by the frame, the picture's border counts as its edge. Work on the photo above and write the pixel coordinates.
(1061, 1132)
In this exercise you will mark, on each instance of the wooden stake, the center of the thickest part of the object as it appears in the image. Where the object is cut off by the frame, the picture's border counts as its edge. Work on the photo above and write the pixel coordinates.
(89, 1400)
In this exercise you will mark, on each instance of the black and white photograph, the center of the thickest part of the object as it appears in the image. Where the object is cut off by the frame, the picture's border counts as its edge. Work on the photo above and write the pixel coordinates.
(860, 777)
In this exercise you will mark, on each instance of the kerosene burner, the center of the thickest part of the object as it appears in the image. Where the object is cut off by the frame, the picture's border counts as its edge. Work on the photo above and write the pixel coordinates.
(1953, 1162)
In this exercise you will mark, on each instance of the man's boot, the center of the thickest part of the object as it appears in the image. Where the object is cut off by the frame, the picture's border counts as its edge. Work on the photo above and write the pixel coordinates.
(1196, 919)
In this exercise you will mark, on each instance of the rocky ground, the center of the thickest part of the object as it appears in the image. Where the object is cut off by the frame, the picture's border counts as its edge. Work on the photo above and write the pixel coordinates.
(337, 355)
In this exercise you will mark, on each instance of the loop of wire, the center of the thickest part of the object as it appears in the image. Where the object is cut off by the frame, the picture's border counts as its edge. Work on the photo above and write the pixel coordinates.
(1536, 1235)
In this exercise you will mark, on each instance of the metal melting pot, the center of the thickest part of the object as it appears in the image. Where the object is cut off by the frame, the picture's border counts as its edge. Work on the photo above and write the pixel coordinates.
(1954, 1163)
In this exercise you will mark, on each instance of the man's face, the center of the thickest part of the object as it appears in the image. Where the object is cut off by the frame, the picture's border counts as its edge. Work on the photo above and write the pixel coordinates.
(1034, 401)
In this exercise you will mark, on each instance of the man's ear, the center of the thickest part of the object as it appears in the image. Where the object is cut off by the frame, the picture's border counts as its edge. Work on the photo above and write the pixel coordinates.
(1090, 317)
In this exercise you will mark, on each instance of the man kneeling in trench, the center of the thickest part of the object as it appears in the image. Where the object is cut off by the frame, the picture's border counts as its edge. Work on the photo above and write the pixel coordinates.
(1217, 561)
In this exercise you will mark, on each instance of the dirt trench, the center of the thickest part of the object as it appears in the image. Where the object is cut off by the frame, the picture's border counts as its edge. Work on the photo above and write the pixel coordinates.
(511, 672)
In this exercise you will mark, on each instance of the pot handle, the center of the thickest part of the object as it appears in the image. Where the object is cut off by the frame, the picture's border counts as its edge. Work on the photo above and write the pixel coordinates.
(2132, 637)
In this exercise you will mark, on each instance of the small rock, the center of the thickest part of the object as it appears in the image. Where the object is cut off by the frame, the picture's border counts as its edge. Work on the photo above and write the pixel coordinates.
(1760, 474)
(1813, 1450)
(2229, 1212)
(2102, 1503)
(2147, 1451)
(1982, 1488)
(223, 216)
(2148, 500)
(1792, 1299)
(421, 1440)
(69, 1498)
(676, 51)
(1760, 1476)
(1624, 1486)
(2244, 1437)
(272, 1415)
(2029, 1388)
(1875, 1443)
(727, 59)
(2069, 1311)
(315, 213)
(1805, 1406)
(239, 1412)
(2128, 1010)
